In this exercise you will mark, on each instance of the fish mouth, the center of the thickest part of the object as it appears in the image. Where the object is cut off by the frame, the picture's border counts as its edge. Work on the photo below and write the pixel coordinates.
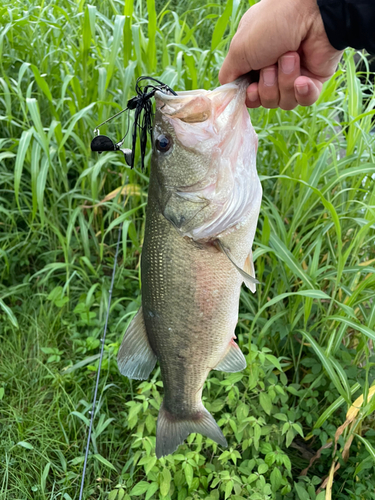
(241, 83)
(196, 106)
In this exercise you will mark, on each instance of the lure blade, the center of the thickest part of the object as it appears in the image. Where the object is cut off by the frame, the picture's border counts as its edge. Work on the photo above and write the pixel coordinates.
(102, 143)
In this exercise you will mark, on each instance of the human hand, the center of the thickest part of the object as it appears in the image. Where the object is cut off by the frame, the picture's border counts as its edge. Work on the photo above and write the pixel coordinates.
(286, 41)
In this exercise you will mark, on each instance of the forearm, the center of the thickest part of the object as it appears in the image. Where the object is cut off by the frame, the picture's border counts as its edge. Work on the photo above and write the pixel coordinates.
(349, 23)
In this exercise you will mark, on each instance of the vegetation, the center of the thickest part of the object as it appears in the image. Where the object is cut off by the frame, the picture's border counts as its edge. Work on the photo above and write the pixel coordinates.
(308, 332)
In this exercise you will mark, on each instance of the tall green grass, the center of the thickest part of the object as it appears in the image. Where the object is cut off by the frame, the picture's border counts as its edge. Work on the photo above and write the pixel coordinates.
(308, 332)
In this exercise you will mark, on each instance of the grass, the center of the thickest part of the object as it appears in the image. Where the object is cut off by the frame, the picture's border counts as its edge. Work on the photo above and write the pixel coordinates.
(308, 332)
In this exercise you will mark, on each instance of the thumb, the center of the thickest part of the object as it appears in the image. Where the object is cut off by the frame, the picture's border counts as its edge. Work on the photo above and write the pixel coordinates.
(237, 61)
(264, 34)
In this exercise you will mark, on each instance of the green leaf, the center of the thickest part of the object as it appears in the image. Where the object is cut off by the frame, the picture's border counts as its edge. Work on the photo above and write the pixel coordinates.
(289, 437)
(328, 366)
(301, 492)
(272, 359)
(80, 364)
(334, 406)
(276, 479)
(228, 488)
(165, 482)
(41, 186)
(42, 84)
(116, 40)
(265, 402)
(112, 495)
(9, 313)
(368, 332)
(257, 433)
(315, 294)
(152, 489)
(263, 468)
(43, 479)
(151, 26)
(281, 416)
(81, 417)
(23, 146)
(287, 462)
(78, 116)
(182, 494)
(140, 488)
(189, 474)
(221, 25)
(298, 428)
(26, 445)
(39, 133)
(288, 258)
(152, 461)
(104, 461)
(369, 447)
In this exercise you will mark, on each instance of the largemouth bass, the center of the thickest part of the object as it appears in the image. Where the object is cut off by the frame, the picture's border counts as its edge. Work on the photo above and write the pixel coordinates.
(203, 206)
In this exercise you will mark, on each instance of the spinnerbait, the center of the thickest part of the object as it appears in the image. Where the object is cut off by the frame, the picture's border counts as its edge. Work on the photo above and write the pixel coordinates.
(141, 104)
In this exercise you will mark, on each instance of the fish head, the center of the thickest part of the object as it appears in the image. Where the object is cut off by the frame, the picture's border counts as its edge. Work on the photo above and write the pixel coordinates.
(204, 150)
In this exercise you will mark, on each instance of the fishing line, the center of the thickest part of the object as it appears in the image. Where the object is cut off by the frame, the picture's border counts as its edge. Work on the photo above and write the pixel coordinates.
(142, 123)
(102, 340)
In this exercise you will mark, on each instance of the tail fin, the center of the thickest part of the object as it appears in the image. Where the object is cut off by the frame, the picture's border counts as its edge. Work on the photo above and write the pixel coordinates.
(172, 431)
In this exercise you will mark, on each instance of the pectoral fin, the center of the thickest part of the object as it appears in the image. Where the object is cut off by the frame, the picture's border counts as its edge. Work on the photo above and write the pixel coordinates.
(249, 280)
(233, 359)
(135, 358)
(249, 269)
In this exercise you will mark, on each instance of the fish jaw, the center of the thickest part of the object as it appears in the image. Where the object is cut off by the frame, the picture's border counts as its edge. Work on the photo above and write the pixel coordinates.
(214, 130)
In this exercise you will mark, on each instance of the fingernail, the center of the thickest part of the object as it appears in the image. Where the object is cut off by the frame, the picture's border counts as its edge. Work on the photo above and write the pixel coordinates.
(302, 89)
(269, 76)
(287, 64)
(252, 96)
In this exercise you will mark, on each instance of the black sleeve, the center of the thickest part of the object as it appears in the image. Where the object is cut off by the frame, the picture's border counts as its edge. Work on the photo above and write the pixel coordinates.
(349, 23)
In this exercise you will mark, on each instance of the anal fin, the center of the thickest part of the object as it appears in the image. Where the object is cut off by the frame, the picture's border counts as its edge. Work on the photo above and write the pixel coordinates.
(136, 359)
(249, 280)
(233, 359)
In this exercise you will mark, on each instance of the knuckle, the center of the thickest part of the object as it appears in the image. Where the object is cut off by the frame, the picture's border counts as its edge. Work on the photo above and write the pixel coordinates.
(269, 103)
(288, 106)
(269, 94)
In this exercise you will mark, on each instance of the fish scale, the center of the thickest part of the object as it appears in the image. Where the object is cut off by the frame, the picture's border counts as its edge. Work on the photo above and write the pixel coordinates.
(178, 327)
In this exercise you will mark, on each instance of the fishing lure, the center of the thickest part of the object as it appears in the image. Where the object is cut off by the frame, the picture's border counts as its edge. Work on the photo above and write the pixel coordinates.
(143, 115)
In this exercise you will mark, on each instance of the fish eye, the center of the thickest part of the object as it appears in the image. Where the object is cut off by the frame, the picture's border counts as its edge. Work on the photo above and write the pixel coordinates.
(163, 143)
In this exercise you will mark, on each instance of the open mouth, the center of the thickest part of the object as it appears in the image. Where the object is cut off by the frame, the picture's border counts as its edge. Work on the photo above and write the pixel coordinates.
(195, 106)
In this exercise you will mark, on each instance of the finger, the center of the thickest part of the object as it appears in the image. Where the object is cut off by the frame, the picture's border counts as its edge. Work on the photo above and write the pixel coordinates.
(288, 71)
(268, 87)
(252, 96)
(235, 64)
(307, 90)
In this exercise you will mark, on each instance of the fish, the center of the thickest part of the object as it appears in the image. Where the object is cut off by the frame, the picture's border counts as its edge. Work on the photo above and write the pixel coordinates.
(203, 205)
